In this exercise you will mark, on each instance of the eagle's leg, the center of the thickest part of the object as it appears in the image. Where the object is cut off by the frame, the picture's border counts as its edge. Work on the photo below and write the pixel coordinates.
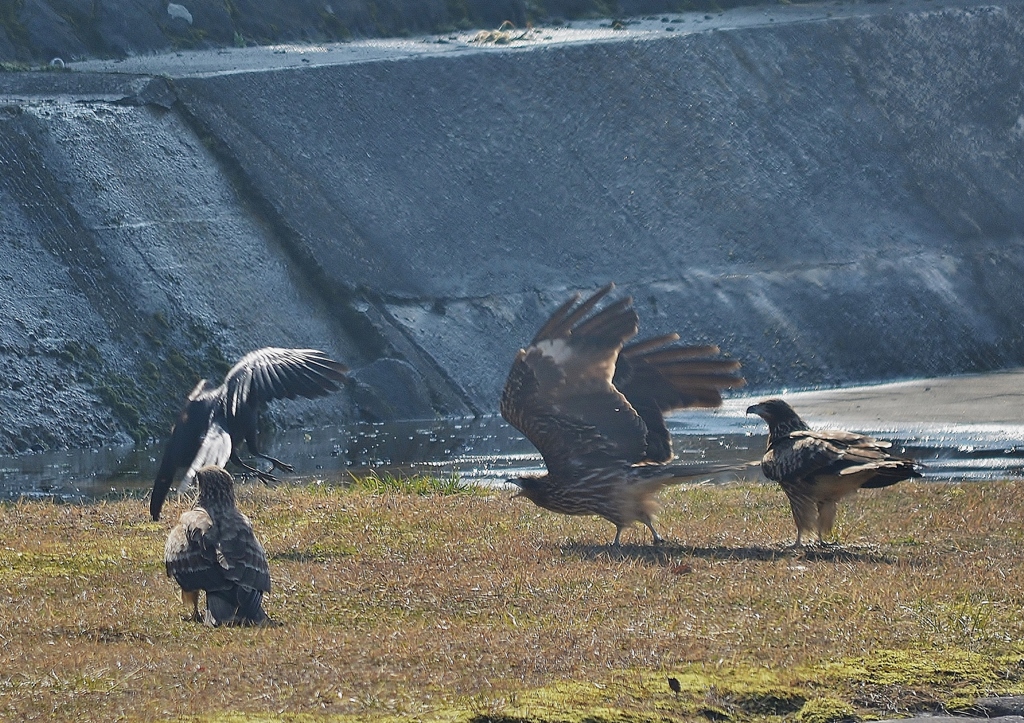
(805, 513)
(826, 519)
(264, 476)
(254, 449)
(277, 464)
(190, 598)
(618, 534)
(657, 539)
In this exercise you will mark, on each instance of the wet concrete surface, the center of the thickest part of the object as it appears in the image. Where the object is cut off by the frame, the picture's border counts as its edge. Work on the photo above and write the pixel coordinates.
(204, 63)
(994, 399)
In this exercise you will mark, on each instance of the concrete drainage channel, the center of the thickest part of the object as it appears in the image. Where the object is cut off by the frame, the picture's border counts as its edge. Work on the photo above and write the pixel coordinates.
(778, 181)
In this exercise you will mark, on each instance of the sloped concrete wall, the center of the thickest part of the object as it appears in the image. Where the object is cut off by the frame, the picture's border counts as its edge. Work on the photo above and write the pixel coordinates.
(132, 269)
(832, 202)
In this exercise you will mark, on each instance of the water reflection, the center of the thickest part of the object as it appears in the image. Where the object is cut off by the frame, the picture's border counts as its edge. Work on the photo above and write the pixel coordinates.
(486, 451)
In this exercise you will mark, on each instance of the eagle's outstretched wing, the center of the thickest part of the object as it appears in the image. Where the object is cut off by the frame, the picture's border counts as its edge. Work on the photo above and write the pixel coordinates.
(273, 373)
(658, 377)
(582, 397)
(559, 392)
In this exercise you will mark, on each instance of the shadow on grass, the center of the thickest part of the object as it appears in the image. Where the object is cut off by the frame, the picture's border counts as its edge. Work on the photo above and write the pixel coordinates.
(102, 634)
(669, 553)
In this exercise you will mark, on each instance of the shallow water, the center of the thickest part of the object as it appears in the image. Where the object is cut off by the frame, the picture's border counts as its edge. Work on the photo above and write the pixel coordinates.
(488, 451)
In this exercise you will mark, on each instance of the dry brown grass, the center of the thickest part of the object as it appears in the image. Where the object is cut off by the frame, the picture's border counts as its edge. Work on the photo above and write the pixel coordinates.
(472, 605)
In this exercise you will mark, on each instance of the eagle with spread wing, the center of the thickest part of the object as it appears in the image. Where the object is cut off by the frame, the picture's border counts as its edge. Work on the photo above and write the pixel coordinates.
(818, 468)
(217, 419)
(213, 548)
(594, 407)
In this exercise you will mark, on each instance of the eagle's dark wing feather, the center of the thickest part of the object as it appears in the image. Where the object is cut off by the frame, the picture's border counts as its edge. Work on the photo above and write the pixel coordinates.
(201, 554)
(807, 454)
(657, 378)
(272, 373)
(240, 554)
(793, 458)
(561, 321)
(559, 392)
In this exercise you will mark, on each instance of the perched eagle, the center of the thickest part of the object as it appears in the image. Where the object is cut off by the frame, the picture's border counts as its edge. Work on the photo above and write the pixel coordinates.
(817, 469)
(216, 420)
(213, 548)
(594, 408)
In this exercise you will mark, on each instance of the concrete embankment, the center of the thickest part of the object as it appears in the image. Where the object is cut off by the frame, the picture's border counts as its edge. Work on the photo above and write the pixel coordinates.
(833, 198)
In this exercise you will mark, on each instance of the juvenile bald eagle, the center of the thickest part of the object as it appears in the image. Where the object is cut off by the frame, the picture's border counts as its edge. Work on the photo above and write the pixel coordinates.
(818, 468)
(594, 408)
(213, 548)
(216, 419)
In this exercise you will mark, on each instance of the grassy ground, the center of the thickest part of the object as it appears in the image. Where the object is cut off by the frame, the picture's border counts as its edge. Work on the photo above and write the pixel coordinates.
(469, 606)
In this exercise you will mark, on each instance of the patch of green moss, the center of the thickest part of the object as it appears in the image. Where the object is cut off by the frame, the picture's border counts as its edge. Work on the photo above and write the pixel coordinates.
(173, 357)
(918, 667)
(333, 27)
(124, 396)
(64, 564)
(744, 693)
(826, 710)
(721, 694)
(10, 21)
(948, 679)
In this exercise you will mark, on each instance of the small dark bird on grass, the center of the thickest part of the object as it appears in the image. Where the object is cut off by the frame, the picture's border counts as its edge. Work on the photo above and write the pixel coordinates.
(213, 548)
(594, 408)
(673, 684)
(818, 468)
(216, 419)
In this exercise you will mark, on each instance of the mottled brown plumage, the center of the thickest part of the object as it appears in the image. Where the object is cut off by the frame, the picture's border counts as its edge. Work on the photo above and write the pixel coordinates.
(595, 410)
(818, 468)
(217, 419)
(213, 548)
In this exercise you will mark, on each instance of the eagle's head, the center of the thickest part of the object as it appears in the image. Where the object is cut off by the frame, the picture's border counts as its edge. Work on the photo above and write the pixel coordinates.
(780, 416)
(216, 488)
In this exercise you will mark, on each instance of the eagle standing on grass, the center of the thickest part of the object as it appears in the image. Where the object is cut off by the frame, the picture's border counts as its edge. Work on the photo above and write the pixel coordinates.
(213, 548)
(216, 420)
(818, 468)
(594, 408)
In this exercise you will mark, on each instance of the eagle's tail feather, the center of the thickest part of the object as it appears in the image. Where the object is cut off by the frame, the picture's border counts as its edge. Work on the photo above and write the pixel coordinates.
(238, 606)
(669, 474)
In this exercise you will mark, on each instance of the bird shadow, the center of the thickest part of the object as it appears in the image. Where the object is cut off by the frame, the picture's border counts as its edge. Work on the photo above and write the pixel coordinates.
(669, 553)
